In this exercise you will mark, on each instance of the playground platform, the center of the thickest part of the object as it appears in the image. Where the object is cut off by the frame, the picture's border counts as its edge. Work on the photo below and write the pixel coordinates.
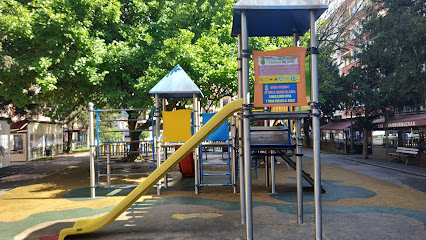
(40, 199)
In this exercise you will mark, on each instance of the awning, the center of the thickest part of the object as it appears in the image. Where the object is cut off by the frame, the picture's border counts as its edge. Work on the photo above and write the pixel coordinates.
(403, 120)
(337, 125)
(19, 127)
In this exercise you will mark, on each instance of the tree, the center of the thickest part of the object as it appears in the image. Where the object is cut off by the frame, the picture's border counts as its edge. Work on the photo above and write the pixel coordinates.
(61, 54)
(397, 51)
(17, 72)
(196, 35)
(52, 58)
(390, 72)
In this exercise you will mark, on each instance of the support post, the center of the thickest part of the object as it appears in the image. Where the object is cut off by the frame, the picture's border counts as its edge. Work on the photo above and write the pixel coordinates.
(246, 130)
(299, 157)
(108, 150)
(266, 157)
(240, 139)
(299, 171)
(295, 39)
(197, 149)
(233, 154)
(157, 138)
(316, 128)
(272, 160)
(166, 177)
(92, 151)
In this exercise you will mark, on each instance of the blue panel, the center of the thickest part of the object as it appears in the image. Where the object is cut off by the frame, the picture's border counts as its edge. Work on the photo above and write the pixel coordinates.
(221, 133)
(276, 17)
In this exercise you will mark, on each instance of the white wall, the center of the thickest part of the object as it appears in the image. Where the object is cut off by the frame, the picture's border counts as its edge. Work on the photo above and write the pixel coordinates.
(4, 143)
(45, 136)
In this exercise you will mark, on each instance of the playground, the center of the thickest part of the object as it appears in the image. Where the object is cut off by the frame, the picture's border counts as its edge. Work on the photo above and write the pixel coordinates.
(239, 173)
(356, 206)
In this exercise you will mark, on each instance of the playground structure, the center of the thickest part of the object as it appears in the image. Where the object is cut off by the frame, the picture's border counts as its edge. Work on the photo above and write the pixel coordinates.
(251, 18)
(220, 140)
(111, 152)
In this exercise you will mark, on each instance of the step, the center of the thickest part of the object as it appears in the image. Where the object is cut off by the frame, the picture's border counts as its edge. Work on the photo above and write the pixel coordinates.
(214, 184)
(215, 174)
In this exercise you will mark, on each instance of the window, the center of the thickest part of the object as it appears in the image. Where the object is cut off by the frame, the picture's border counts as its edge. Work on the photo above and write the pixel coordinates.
(17, 144)
(225, 101)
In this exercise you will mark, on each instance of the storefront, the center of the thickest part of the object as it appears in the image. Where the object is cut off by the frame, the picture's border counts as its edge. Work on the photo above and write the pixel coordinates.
(404, 130)
(336, 136)
(79, 137)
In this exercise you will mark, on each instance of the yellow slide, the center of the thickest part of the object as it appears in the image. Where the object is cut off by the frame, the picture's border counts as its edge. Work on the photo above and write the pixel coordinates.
(91, 225)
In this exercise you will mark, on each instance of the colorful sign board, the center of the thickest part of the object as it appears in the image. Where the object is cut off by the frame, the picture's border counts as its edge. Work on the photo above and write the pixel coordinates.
(280, 77)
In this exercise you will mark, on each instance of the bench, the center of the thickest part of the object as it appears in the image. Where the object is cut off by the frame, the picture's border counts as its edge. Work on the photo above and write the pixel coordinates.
(405, 153)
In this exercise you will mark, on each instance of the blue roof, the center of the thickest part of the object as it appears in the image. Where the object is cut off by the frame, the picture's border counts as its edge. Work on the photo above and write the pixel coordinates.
(276, 17)
(176, 84)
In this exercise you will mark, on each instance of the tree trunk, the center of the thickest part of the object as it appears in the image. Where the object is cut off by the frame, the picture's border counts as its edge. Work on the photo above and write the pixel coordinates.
(69, 143)
(365, 144)
(135, 139)
(134, 142)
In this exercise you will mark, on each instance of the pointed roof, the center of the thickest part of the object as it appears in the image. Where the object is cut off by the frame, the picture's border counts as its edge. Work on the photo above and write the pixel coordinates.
(176, 84)
(276, 17)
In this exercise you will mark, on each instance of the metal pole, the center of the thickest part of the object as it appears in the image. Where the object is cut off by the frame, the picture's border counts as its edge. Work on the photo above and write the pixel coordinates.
(166, 180)
(240, 139)
(266, 158)
(92, 151)
(233, 155)
(197, 149)
(266, 162)
(295, 39)
(272, 160)
(157, 138)
(299, 157)
(108, 149)
(246, 130)
(316, 129)
(299, 171)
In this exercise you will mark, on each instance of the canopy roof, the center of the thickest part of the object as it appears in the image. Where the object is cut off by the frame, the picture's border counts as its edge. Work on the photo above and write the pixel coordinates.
(176, 84)
(337, 125)
(276, 17)
(403, 120)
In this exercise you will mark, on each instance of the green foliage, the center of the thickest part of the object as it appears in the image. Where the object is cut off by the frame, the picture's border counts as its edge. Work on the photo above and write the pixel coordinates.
(62, 53)
(109, 125)
(196, 35)
(144, 134)
(332, 88)
(112, 136)
(392, 61)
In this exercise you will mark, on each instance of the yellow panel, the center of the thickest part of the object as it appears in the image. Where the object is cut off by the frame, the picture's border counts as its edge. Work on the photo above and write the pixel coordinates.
(177, 125)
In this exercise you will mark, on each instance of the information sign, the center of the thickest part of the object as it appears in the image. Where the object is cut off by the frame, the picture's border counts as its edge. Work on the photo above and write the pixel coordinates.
(280, 77)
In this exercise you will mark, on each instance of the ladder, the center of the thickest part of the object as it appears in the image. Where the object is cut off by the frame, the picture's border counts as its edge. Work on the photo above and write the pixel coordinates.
(214, 170)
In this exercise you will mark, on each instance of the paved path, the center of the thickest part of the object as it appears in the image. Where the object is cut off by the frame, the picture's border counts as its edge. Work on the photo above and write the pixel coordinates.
(24, 173)
(405, 175)
(362, 202)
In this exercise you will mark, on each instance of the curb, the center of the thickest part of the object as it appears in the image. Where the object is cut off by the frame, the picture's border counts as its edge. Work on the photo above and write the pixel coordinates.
(378, 165)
